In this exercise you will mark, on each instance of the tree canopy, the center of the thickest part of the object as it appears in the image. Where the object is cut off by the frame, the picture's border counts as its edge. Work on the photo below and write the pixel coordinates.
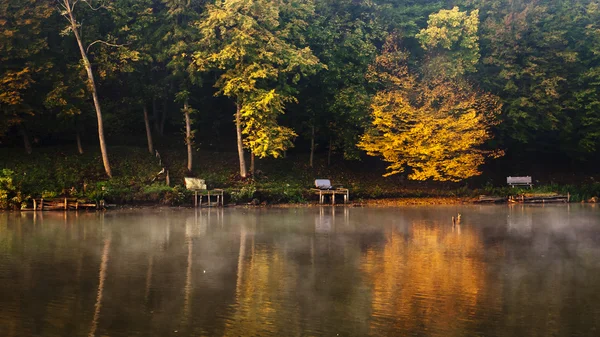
(434, 88)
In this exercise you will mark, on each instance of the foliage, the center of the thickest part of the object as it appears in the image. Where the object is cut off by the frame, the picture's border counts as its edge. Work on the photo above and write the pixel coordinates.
(451, 37)
(23, 41)
(434, 126)
(9, 193)
(245, 193)
(292, 67)
(256, 47)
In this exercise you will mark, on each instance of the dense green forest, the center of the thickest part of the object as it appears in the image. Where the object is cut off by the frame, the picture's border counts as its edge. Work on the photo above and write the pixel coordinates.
(434, 88)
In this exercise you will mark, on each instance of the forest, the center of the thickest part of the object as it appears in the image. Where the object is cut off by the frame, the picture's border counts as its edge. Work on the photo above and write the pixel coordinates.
(432, 90)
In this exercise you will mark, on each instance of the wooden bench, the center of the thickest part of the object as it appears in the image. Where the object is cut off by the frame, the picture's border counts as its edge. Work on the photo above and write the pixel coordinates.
(323, 187)
(198, 186)
(519, 181)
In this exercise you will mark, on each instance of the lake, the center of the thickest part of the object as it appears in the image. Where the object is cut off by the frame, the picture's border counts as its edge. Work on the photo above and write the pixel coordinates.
(509, 270)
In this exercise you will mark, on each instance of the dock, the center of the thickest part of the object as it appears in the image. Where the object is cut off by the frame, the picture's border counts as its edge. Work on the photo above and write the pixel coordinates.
(64, 204)
(332, 193)
(486, 199)
(540, 198)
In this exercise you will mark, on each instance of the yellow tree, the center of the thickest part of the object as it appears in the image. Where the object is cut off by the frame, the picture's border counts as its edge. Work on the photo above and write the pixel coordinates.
(256, 47)
(435, 126)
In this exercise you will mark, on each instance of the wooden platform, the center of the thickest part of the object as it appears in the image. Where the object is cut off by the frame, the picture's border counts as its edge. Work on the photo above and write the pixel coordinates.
(486, 199)
(217, 193)
(64, 204)
(332, 193)
(540, 199)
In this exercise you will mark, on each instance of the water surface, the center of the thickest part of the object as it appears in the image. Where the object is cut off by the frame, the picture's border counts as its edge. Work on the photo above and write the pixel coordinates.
(504, 271)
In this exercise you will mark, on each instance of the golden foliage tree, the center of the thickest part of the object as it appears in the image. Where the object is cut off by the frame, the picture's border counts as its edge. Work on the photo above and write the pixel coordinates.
(434, 126)
(257, 47)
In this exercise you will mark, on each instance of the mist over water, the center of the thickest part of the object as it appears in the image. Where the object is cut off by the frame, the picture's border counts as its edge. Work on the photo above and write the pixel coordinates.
(503, 271)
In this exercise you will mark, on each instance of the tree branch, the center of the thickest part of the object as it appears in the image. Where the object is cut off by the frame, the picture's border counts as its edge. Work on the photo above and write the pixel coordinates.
(88, 2)
(104, 42)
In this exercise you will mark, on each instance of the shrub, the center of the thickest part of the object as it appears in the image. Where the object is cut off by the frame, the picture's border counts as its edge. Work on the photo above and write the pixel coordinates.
(9, 193)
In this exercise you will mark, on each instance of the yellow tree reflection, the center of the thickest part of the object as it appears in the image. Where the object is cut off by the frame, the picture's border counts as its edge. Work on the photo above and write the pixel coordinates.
(431, 278)
(266, 282)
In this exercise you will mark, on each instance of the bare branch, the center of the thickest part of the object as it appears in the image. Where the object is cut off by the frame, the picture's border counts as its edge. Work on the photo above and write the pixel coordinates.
(61, 4)
(104, 42)
(88, 2)
(73, 5)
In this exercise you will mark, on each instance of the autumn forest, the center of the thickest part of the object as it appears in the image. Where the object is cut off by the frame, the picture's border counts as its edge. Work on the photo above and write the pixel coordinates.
(435, 89)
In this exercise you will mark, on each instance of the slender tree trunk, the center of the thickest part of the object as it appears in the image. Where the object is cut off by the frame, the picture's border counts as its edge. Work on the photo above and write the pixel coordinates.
(312, 146)
(26, 142)
(148, 131)
(79, 147)
(240, 145)
(329, 153)
(188, 135)
(252, 164)
(155, 115)
(92, 86)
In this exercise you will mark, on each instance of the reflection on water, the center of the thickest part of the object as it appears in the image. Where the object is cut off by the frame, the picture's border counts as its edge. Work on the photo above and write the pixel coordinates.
(503, 271)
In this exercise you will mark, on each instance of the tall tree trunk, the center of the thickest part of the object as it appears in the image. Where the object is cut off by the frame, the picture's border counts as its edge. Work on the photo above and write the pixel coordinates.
(188, 135)
(91, 85)
(79, 147)
(329, 153)
(26, 142)
(240, 145)
(148, 131)
(155, 115)
(312, 146)
(252, 164)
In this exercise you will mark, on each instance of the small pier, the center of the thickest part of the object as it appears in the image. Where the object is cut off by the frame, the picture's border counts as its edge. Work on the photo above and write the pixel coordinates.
(332, 193)
(64, 204)
(540, 198)
(486, 199)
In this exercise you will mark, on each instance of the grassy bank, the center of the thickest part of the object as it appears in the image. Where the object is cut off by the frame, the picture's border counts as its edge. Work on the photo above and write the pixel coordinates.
(57, 172)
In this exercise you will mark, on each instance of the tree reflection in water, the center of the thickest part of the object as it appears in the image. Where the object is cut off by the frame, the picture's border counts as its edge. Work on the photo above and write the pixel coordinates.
(504, 271)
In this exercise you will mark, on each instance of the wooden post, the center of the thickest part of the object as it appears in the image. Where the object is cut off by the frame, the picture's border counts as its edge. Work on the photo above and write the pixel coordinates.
(208, 198)
(34, 205)
(332, 198)
(65, 204)
(568, 197)
(41, 204)
(76, 204)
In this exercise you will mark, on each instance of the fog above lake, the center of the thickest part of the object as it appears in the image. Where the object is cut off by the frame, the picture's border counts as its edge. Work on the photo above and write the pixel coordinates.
(503, 271)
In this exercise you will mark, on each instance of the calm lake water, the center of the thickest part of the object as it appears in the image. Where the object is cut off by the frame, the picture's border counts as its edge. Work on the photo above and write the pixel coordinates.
(504, 271)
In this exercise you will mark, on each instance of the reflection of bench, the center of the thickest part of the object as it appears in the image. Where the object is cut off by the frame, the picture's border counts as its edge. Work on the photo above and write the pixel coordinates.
(198, 186)
(516, 181)
(324, 187)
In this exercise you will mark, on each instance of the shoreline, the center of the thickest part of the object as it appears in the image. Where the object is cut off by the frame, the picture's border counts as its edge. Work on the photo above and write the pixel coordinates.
(372, 203)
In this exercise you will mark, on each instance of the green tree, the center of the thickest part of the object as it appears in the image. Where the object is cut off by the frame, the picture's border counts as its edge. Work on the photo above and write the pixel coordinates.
(539, 57)
(23, 63)
(452, 42)
(256, 47)
(343, 35)
(178, 43)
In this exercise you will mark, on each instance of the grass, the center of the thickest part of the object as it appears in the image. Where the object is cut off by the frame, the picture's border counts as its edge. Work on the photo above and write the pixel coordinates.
(58, 171)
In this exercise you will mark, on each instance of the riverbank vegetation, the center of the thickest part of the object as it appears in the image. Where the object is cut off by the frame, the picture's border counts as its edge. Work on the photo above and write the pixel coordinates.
(455, 95)
(62, 172)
